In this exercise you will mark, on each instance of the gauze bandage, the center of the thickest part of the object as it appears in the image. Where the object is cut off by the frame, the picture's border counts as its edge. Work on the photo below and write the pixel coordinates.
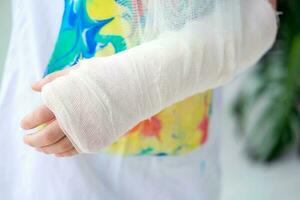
(105, 97)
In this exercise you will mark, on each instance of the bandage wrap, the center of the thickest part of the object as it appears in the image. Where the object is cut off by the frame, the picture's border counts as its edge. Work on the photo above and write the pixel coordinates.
(105, 97)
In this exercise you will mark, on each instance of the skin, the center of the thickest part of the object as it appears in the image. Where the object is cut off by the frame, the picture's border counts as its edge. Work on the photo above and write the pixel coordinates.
(51, 139)
(274, 3)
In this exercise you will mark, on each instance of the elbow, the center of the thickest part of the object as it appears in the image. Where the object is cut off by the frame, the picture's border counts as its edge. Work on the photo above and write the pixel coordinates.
(244, 48)
(258, 34)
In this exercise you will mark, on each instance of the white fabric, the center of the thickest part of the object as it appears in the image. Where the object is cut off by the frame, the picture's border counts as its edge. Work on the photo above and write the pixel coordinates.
(29, 175)
(105, 97)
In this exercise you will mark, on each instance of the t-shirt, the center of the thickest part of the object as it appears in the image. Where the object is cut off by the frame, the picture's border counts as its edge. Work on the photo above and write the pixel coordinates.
(172, 155)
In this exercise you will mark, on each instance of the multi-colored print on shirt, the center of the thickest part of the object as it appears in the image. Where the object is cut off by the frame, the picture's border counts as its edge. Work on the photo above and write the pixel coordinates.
(92, 28)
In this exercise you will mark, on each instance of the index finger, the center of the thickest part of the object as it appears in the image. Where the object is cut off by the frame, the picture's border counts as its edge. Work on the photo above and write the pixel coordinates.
(51, 77)
(39, 116)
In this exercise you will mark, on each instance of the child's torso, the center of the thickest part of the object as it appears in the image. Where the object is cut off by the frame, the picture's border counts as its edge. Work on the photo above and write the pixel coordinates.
(90, 28)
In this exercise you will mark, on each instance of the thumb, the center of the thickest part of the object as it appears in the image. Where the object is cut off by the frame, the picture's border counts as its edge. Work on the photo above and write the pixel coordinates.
(51, 77)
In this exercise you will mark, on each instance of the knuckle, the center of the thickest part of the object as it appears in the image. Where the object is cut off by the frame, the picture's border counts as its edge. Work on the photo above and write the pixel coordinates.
(24, 124)
(65, 145)
(49, 137)
(38, 114)
(27, 141)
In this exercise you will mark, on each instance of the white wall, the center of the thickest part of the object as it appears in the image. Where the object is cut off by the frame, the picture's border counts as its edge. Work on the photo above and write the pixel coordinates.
(5, 26)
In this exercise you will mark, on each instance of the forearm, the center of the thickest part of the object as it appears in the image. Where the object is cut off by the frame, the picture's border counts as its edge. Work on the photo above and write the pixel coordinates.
(105, 97)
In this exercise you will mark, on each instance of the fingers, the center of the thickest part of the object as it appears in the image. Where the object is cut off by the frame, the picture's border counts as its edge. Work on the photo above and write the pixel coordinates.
(48, 136)
(71, 152)
(38, 85)
(51, 140)
(51, 77)
(63, 145)
(40, 116)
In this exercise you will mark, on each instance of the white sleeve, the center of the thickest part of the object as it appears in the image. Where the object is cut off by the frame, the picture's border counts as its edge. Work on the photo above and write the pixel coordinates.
(105, 97)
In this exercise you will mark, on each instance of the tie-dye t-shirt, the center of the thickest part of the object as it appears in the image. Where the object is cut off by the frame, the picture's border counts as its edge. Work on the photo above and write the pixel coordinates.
(92, 28)
(49, 35)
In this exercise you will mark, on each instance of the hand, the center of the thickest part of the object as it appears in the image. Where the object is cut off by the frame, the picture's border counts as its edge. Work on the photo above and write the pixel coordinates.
(51, 139)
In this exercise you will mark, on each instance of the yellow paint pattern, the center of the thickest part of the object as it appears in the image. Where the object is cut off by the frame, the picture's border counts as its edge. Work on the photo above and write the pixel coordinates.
(179, 133)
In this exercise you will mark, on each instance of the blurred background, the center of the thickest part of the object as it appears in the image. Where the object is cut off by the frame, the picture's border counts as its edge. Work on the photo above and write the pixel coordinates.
(5, 28)
(261, 117)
